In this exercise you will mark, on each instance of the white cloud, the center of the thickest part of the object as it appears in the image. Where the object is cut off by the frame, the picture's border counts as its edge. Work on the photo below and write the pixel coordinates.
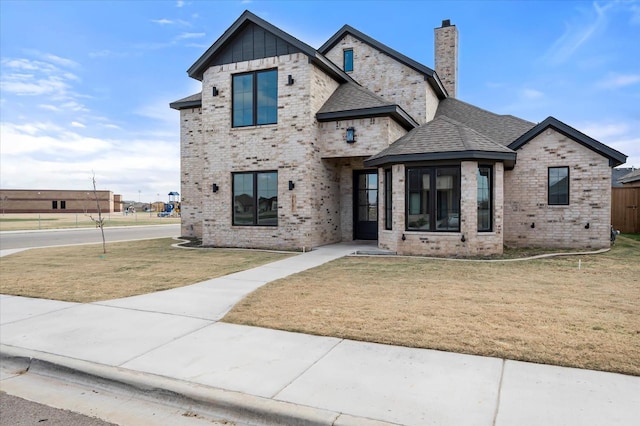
(531, 94)
(185, 36)
(78, 125)
(179, 3)
(162, 21)
(619, 135)
(578, 32)
(615, 81)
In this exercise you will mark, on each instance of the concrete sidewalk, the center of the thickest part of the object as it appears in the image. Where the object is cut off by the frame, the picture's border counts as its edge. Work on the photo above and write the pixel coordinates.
(172, 340)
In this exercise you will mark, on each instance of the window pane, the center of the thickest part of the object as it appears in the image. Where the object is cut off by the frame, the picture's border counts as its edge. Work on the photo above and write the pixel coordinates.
(388, 199)
(448, 199)
(484, 199)
(268, 198)
(419, 199)
(348, 60)
(242, 100)
(267, 97)
(559, 185)
(243, 210)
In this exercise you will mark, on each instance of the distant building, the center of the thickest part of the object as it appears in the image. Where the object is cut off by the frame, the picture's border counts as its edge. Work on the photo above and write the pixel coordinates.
(58, 201)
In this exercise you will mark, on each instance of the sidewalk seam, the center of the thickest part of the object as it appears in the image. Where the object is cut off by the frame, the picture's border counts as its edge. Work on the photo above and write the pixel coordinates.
(307, 369)
(497, 409)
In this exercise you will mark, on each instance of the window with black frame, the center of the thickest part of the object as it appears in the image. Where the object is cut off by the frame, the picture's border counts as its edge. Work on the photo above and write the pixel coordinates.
(433, 199)
(255, 98)
(558, 186)
(485, 198)
(255, 198)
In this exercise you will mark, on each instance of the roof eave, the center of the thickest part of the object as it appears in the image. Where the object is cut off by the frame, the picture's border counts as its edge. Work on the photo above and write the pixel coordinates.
(508, 158)
(185, 105)
(393, 111)
(615, 157)
(197, 70)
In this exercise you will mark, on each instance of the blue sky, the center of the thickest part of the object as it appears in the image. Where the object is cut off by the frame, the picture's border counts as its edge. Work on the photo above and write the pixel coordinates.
(85, 86)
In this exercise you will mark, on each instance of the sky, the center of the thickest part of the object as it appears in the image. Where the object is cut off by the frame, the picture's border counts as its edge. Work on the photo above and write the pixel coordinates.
(85, 86)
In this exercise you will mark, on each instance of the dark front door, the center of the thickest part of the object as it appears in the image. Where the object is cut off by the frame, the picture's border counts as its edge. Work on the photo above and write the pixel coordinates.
(365, 214)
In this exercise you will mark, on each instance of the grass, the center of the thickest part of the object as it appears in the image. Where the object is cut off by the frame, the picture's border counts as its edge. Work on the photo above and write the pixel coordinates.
(85, 274)
(576, 311)
(33, 221)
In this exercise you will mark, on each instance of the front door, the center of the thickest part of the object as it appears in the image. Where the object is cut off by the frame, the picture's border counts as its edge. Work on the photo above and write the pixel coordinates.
(365, 214)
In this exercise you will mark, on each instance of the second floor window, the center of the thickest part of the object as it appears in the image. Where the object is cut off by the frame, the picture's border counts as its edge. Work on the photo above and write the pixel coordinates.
(348, 60)
(255, 98)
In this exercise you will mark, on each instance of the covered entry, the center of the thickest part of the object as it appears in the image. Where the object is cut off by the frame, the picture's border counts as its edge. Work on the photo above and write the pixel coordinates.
(365, 212)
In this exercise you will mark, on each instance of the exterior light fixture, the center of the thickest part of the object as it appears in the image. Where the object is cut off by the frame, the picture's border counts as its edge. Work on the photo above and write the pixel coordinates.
(214, 188)
(291, 185)
(463, 239)
(533, 225)
(351, 134)
(290, 80)
(214, 91)
(587, 226)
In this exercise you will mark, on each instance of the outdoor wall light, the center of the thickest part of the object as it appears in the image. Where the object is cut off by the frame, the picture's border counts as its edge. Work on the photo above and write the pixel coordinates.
(351, 135)
(214, 91)
(463, 239)
(214, 188)
(291, 185)
(290, 80)
(403, 237)
(533, 225)
(587, 226)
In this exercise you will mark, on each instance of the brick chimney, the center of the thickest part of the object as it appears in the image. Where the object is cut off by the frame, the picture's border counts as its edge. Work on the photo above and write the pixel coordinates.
(446, 51)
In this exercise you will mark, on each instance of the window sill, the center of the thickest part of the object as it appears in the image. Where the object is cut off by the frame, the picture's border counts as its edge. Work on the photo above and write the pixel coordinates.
(257, 126)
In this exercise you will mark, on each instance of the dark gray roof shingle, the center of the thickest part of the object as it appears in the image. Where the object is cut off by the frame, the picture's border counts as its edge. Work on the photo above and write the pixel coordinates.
(192, 101)
(350, 96)
(440, 139)
(503, 129)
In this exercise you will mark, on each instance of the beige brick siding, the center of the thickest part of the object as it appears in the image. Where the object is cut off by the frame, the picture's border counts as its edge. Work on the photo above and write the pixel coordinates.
(388, 78)
(443, 243)
(558, 226)
(372, 136)
(191, 183)
(446, 57)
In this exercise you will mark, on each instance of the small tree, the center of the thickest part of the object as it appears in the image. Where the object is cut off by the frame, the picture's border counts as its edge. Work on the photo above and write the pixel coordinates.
(100, 221)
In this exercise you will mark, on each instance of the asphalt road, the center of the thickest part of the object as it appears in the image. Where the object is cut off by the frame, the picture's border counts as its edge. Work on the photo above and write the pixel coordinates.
(16, 411)
(61, 237)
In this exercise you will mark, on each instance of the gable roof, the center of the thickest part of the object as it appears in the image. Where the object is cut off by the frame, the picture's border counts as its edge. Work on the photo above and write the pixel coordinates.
(289, 44)
(429, 74)
(503, 129)
(351, 101)
(616, 158)
(442, 139)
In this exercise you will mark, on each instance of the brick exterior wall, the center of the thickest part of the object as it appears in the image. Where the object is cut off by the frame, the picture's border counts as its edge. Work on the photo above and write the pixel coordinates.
(41, 201)
(191, 183)
(443, 243)
(372, 136)
(446, 57)
(558, 226)
(388, 78)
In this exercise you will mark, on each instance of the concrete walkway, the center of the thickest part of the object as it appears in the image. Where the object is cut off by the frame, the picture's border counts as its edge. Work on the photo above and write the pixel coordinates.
(172, 340)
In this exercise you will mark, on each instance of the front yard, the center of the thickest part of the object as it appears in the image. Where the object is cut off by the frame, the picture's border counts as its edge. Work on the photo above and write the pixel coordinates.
(578, 311)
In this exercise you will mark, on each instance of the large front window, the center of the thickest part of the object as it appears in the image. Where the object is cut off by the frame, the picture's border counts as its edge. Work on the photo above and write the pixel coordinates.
(255, 98)
(433, 199)
(255, 199)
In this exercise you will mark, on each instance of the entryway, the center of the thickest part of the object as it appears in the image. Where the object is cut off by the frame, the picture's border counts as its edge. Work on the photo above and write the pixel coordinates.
(365, 211)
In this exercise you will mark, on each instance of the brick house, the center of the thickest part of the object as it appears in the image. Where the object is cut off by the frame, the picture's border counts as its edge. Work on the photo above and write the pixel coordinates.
(288, 147)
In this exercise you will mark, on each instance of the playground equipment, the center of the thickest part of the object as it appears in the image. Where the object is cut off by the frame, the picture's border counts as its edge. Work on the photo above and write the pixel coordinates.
(172, 208)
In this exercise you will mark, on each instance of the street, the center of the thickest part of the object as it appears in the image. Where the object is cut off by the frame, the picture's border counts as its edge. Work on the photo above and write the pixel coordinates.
(61, 237)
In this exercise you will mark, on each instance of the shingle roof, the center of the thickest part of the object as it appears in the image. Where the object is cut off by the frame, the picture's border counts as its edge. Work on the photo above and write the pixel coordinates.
(503, 129)
(193, 101)
(619, 173)
(351, 101)
(441, 139)
(631, 177)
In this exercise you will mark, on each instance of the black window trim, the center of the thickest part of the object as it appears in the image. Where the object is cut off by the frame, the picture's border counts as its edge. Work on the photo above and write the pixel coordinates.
(388, 199)
(433, 204)
(255, 97)
(491, 195)
(255, 198)
(549, 186)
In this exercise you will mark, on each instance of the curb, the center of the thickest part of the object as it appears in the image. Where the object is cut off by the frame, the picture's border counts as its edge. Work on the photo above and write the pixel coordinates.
(237, 406)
